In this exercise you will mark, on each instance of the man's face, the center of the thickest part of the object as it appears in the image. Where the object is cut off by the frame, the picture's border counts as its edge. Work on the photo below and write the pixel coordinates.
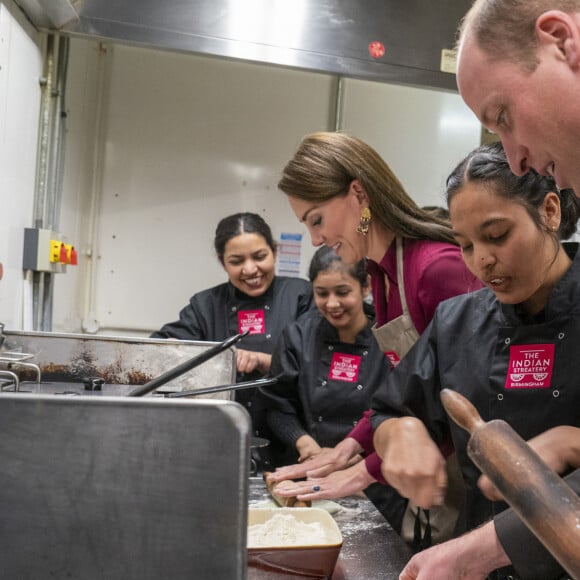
(535, 114)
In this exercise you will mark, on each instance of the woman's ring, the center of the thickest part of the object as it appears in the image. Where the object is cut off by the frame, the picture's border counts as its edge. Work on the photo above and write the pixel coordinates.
(315, 488)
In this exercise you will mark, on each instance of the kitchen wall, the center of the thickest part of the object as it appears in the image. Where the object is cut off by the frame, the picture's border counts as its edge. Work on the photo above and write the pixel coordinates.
(183, 140)
(20, 71)
(161, 145)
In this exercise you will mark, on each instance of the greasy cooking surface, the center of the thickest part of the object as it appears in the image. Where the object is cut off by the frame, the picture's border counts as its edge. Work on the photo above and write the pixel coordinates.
(122, 363)
(370, 550)
(70, 388)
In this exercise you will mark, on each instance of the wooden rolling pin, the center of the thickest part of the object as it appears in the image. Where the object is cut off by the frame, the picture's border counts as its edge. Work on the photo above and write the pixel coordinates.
(283, 501)
(542, 499)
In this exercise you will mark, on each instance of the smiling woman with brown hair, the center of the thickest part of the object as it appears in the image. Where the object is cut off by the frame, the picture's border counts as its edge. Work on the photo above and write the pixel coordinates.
(350, 200)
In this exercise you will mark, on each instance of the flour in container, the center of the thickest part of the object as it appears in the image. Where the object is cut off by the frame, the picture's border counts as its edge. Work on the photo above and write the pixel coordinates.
(286, 530)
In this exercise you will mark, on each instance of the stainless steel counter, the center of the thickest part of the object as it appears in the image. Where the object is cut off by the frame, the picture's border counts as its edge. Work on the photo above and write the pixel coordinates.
(371, 550)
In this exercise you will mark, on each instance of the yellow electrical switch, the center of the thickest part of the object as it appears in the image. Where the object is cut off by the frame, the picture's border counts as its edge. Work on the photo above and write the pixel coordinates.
(55, 251)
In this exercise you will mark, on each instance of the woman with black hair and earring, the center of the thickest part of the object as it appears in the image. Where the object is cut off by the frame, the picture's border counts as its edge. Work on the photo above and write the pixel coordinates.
(511, 349)
(328, 362)
(350, 200)
(254, 298)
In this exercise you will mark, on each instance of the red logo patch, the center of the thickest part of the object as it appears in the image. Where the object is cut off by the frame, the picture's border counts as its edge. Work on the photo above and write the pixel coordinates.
(393, 357)
(344, 367)
(530, 366)
(252, 320)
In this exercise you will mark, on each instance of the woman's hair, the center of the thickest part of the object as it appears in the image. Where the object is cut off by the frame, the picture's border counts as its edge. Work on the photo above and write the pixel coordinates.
(488, 164)
(324, 166)
(241, 223)
(440, 212)
(325, 259)
(505, 29)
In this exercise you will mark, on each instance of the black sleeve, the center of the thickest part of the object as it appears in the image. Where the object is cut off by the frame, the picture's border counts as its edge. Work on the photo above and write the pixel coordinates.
(188, 327)
(529, 557)
(283, 398)
(285, 426)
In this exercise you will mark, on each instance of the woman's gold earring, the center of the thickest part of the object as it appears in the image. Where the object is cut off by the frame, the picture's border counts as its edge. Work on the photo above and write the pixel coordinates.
(365, 220)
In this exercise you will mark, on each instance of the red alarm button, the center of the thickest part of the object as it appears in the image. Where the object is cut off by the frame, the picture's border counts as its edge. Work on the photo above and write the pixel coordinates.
(376, 49)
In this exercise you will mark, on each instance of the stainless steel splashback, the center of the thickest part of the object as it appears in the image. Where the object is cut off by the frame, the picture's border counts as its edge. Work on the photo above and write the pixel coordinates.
(386, 40)
(74, 358)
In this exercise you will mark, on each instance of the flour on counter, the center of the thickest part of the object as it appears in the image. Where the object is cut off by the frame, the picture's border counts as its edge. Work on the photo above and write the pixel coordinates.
(286, 530)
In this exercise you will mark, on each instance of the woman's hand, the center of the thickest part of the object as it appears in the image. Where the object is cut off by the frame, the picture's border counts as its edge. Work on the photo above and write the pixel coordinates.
(338, 484)
(559, 449)
(412, 463)
(328, 460)
(307, 447)
(248, 361)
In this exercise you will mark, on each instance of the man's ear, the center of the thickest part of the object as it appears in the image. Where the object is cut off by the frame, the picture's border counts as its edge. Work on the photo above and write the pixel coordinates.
(561, 30)
(551, 211)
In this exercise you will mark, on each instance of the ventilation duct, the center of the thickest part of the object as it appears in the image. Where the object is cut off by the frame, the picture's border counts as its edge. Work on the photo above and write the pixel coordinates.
(406, 42)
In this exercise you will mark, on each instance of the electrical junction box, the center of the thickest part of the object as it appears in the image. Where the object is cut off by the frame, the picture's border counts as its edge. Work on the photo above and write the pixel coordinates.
(45, 251)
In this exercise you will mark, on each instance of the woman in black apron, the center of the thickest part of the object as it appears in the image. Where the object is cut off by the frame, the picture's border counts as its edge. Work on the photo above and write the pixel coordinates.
(254, 298)
(511, 348)
(350, 200)
(328, 363)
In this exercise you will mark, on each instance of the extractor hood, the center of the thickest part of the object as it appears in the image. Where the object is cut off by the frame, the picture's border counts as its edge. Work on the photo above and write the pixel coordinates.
(400, 41)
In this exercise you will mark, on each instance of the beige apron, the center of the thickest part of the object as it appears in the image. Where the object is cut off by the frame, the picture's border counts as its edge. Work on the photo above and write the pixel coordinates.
(395, 339)
(397, 336)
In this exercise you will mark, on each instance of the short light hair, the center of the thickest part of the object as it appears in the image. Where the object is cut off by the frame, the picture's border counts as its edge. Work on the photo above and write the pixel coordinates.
(505, 29)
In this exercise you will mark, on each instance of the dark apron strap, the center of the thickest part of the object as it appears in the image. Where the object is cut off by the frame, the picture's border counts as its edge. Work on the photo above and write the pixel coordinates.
(421, 543)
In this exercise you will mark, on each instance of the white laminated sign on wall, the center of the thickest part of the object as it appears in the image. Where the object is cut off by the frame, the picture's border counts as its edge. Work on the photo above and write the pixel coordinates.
(289, 252)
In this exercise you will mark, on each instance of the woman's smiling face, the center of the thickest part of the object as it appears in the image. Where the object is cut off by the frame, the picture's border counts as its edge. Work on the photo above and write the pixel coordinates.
(333, 223)
(249, 263)
(339, 297)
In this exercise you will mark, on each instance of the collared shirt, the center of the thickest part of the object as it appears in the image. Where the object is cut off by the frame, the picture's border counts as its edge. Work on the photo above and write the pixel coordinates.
(433, 271)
